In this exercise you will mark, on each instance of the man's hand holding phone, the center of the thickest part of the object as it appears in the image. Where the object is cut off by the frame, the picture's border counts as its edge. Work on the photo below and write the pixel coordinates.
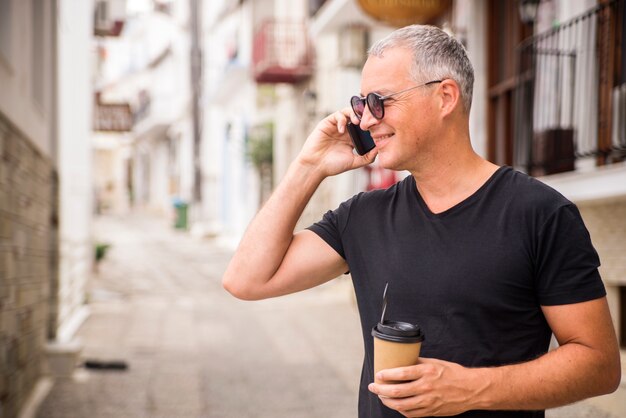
(329, 147)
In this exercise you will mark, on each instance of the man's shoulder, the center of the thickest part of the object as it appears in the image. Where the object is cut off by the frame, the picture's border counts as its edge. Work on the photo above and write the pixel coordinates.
(526, 191)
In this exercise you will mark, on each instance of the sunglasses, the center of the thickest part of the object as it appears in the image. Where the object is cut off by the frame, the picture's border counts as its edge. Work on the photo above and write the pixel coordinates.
(375, 101)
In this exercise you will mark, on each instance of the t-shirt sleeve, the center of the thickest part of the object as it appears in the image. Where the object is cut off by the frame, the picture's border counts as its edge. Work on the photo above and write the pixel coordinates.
(567, 264)
(331, 227)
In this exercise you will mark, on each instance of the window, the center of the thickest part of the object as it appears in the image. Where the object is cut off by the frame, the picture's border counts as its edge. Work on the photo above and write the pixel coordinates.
(571, 94)
(505, 23)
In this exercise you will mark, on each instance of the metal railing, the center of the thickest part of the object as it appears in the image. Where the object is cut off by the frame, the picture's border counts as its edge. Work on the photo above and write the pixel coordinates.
(282, 52)
(120, 117)
(570, 102)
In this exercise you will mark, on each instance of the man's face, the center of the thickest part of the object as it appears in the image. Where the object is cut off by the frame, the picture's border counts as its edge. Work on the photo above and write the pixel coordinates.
(408, 121)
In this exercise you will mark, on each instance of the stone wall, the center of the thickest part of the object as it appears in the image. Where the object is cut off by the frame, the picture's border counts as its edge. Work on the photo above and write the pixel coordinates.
(606, 221)
(27, 254)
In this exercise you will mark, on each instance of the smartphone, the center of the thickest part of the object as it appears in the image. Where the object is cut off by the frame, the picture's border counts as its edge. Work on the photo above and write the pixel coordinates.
(362, 140)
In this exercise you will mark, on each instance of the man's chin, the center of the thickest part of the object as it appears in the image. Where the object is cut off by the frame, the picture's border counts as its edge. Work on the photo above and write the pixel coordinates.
(385, 161)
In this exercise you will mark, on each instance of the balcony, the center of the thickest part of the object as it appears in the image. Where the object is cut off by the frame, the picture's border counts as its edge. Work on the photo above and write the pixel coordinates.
(120, 117)
(571, 96)
(282, 53)
(112, 117)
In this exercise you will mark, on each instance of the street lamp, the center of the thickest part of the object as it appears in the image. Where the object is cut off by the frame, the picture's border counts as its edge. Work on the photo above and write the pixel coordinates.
(528, 10)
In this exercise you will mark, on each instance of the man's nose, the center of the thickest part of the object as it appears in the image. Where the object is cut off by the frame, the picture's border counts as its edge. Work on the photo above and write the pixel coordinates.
(367, 120)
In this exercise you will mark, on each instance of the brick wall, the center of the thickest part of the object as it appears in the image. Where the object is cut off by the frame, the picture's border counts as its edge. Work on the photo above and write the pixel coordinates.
(26, 257)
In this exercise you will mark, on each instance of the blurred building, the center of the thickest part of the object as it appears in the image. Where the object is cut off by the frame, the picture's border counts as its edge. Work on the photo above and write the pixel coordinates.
(230, 108)
(45, 188)
(142, 96)
(241, 114)
(266, 85)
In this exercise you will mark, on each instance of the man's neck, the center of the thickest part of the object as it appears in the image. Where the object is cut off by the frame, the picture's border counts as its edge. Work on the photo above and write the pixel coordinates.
(448, 180)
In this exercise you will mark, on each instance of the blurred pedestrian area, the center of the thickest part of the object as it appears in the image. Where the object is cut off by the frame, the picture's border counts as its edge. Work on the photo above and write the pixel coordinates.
(191, 350)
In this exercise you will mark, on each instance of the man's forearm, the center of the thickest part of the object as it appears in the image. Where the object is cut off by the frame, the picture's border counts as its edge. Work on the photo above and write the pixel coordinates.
(269, 235)
(568, 374)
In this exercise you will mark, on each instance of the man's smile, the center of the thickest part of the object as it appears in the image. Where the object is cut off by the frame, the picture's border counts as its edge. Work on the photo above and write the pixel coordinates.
(381, 139)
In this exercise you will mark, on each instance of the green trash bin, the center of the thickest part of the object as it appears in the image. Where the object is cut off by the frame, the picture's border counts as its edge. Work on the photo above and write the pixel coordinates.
(181, 215)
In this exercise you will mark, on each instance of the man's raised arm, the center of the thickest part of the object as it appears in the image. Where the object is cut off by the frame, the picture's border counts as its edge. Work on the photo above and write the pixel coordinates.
(272, 261)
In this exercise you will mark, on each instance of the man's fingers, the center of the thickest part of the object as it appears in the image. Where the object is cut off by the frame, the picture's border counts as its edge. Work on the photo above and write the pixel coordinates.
(409, 407)
(400, 374)
(363, 160)
(402, 399)
(341, 121)
(342, 117)
(394, 390)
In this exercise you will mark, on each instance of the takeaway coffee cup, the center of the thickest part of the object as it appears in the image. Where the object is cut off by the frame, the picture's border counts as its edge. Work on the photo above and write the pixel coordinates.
(396, 344)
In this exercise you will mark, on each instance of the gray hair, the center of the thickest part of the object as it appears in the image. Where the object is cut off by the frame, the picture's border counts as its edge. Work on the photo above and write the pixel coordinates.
(436, 55)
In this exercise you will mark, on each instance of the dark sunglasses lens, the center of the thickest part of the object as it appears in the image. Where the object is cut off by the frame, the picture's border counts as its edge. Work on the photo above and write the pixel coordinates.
(358, 106)
(375, 105)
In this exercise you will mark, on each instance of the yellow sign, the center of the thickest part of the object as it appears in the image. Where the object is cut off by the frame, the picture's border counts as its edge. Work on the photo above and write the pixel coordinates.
(405, 12)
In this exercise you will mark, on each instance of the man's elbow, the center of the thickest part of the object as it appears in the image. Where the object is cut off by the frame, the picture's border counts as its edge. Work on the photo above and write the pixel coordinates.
(615, 376)
(612, 375)
(238, 290)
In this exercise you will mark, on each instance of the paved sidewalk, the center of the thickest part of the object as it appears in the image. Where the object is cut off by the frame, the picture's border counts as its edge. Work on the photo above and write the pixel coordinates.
(194, 351)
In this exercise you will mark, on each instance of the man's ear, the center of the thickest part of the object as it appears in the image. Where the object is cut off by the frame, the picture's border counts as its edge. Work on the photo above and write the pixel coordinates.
(450, 95)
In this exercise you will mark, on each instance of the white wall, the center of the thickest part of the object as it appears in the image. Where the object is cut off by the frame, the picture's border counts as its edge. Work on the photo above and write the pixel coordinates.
(230, 186)
(159, 194)
(475, 28)
(74, 110)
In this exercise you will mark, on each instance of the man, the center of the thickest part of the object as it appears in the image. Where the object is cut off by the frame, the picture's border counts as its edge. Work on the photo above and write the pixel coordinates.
(487, 260)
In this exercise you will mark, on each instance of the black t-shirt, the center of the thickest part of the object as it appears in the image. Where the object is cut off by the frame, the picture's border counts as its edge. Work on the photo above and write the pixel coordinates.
(474, 277)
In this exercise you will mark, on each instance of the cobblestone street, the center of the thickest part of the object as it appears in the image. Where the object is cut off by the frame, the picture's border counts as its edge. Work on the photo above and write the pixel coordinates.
(195, 351)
